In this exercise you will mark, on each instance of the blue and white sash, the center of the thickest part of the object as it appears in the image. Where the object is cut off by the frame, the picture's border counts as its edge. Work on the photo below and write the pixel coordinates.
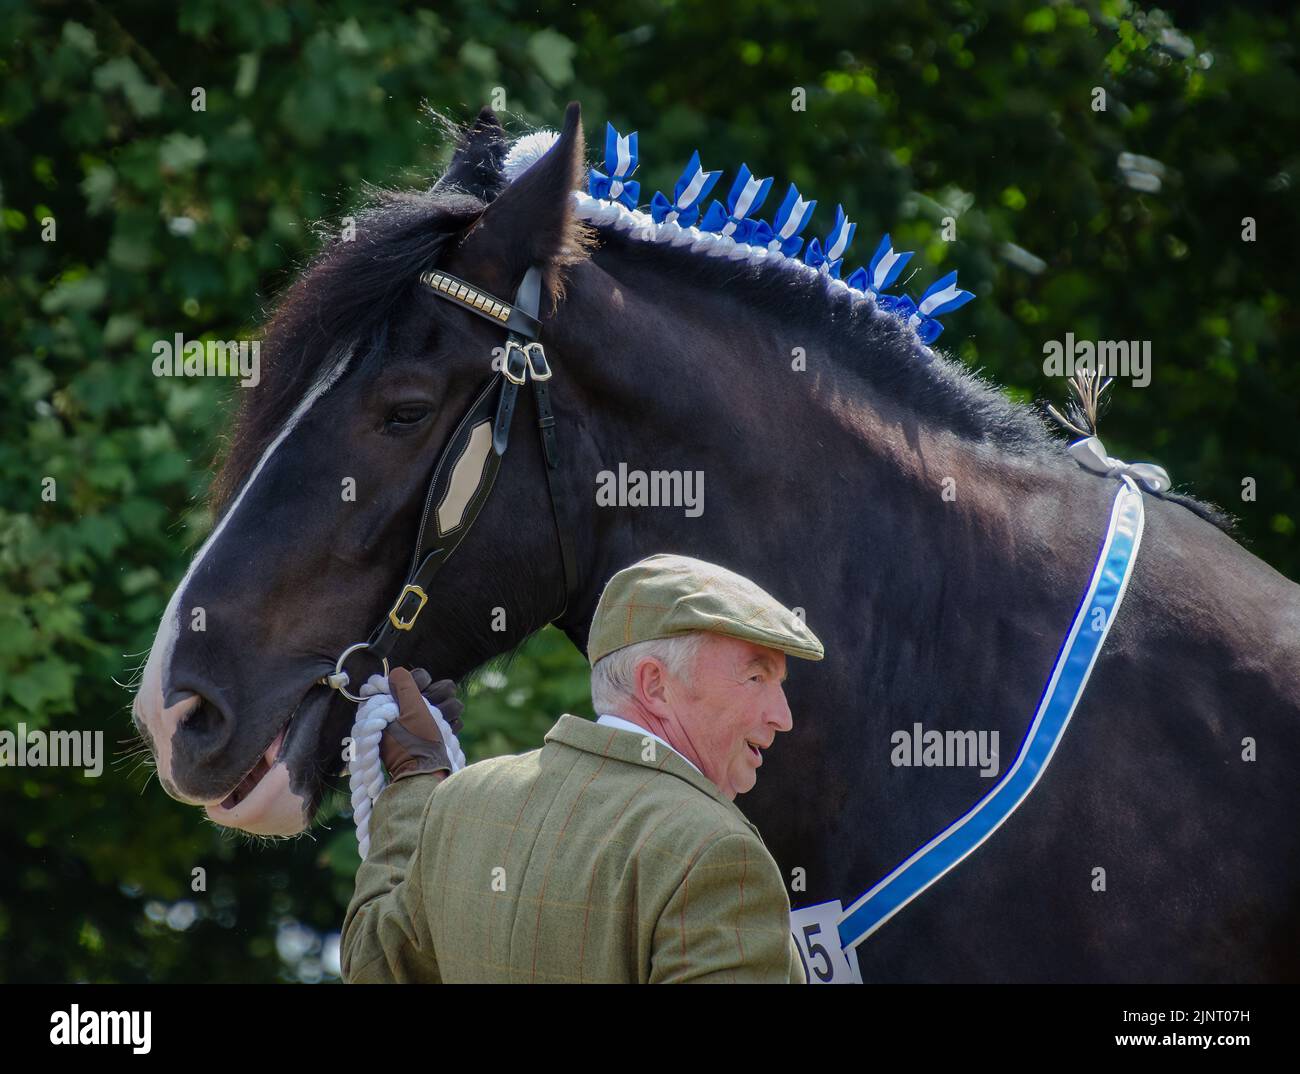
(1074, 664)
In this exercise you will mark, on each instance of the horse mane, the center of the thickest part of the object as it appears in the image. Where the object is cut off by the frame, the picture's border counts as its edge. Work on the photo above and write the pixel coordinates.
(873, 343)
(347, 293)
(865, 341)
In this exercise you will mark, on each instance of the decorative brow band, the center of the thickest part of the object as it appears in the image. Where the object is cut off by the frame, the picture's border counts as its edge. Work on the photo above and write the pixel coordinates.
(462, 292)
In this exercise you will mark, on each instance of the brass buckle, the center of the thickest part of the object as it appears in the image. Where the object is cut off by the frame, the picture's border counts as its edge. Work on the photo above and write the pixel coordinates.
(521, 377)
(406, 624)
(533, 362)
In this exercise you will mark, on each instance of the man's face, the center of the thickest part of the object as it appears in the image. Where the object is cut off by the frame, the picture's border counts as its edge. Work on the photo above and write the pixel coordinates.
(731, 707)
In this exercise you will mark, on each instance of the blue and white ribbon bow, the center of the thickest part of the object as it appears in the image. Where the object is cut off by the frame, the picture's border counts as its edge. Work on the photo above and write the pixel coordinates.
(691, 189)
(620, 163)
(885, 267)
(829, 260)
(747, 195)
(736, 220)
(783, 234)
(1090, 453)
(942, 296)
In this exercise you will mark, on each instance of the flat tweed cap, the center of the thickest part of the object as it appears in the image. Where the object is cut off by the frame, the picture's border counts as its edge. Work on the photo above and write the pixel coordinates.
(663, 596)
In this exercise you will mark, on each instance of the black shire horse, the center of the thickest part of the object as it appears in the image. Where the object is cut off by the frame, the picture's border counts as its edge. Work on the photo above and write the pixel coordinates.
(826, 478)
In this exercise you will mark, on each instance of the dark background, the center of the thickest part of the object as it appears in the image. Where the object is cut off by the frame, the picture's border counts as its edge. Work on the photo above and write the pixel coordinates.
(174, 220)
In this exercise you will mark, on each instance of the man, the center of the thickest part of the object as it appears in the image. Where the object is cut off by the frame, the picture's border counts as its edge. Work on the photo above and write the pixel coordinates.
(615, 853)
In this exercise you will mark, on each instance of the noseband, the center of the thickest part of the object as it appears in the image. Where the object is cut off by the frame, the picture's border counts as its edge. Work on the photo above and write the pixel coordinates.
(465, 471)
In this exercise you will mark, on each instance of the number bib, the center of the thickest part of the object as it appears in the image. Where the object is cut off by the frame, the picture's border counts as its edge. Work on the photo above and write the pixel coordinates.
(816, 934)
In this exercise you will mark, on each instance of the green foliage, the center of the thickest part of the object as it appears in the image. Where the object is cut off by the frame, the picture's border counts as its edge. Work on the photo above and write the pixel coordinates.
(173, 219)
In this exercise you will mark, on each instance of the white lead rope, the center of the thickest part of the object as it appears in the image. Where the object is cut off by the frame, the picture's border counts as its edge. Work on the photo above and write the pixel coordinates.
(366, 771)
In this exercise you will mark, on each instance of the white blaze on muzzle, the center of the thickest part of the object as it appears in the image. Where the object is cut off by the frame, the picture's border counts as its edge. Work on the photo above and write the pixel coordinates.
(151, 708)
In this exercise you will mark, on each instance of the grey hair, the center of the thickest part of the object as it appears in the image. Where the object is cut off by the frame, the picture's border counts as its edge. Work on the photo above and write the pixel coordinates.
(613, 676)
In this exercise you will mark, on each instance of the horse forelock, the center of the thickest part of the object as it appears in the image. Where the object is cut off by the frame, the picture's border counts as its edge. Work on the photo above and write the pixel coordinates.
(344, 299)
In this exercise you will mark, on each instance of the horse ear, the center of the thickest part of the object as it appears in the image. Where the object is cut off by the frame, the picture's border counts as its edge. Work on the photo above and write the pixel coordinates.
(476, 165)
(531, 222)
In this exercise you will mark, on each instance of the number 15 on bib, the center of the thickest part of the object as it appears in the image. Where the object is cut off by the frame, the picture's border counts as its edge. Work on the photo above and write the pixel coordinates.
(816, 934)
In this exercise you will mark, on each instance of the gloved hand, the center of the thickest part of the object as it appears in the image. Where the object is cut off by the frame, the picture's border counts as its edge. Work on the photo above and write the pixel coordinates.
(441, 695)
(412, 744)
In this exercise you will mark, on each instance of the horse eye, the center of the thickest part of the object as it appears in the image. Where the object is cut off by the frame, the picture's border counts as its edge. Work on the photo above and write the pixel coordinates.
(408, 415)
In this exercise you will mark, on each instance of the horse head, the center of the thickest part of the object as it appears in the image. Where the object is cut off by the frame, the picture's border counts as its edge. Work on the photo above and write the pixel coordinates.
(366, 375)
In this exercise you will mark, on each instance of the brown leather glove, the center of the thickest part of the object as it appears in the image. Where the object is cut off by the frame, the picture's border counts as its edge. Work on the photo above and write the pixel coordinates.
(412, 745)
(442, 695)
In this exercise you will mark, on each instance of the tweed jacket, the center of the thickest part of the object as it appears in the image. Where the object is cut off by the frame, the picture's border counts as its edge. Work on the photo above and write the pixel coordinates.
(601, 857)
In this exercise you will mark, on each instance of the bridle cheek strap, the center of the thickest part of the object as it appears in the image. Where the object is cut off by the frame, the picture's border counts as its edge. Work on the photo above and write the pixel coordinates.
(467, 468)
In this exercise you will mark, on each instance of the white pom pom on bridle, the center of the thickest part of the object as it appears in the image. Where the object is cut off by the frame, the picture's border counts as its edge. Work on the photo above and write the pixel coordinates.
(527, 151)
(366, 770)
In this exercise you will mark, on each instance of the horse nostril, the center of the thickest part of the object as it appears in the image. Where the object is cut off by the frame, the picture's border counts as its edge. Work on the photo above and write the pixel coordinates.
(206, 729)
(204, 719)
(178, 697)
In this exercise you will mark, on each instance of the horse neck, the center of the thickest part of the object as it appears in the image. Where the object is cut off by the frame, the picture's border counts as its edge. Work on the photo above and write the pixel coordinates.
(797, 464)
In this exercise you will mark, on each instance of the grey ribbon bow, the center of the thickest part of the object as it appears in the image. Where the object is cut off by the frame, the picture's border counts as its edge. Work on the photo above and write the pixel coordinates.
(1090, 453)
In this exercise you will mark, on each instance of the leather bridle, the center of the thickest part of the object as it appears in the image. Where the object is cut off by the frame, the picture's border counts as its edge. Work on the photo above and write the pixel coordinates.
(465, 471)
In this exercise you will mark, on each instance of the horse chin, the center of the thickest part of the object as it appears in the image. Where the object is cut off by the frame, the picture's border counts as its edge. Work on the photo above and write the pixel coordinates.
(270, 808)
(281, 795)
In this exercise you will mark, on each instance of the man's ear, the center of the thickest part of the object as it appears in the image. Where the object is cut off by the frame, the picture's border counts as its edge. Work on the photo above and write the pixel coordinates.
(475, 167)
(531, 222)
(651, 687)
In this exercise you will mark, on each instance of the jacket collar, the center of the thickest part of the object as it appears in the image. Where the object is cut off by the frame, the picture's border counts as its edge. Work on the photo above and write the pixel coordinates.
(615, 743)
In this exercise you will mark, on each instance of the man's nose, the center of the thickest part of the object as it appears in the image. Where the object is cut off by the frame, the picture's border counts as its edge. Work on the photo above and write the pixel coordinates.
(780, 716)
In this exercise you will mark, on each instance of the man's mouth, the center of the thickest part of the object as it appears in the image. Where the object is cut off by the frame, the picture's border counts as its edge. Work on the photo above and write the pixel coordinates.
(254, 777)
(755, 752)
